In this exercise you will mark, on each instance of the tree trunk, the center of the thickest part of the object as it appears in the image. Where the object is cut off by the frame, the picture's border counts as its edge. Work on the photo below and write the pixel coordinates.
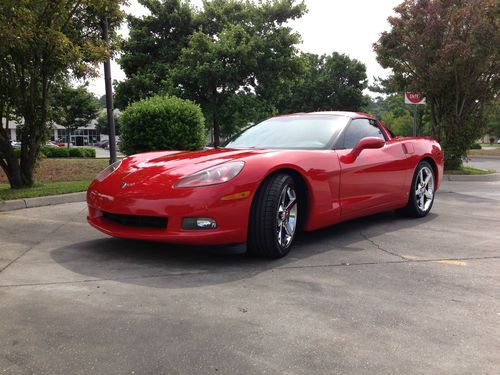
(10, 164)
(216, 126)
(8, 158)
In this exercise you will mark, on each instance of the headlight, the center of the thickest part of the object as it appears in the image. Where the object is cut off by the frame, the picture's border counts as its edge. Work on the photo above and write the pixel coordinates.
(212, 176)
(108, 170)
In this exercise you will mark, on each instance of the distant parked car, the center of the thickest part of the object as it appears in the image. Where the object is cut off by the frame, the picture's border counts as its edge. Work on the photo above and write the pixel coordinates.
(15, 144)
(58, 144)
(498, 142)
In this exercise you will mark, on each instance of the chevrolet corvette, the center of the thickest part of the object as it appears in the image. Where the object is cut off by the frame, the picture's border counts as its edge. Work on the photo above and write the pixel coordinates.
(288, 173)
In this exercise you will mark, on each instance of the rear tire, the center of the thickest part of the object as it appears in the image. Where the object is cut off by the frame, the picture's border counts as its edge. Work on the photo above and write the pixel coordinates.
(273, 217)
(422, 192)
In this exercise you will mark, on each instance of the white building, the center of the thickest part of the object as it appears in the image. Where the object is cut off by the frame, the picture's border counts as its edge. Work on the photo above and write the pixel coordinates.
(79, 137)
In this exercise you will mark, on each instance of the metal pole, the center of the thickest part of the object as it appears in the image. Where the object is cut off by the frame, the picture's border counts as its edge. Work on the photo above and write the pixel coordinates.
(414, 120)
(109, 97)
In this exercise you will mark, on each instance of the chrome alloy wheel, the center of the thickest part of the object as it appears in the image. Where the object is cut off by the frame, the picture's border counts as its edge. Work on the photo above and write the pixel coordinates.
(286, 216)
(424, 189)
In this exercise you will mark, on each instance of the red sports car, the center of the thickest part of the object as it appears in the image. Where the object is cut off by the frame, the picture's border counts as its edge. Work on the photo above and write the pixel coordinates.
(301, 171)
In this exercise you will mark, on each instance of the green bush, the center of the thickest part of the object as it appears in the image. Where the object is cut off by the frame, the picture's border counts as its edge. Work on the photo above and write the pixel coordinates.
(162, 123)
(64, 152)
(61, 152)
(475, 146)
(82, 152)
(54, 152)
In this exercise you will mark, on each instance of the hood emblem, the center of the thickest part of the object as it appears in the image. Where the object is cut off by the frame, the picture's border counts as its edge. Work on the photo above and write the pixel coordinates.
(125, 184)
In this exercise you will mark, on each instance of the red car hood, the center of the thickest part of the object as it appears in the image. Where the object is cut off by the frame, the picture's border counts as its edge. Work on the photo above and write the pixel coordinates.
(174, 165)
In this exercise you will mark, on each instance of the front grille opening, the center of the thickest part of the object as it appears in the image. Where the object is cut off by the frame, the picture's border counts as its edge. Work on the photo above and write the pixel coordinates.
(137, 221)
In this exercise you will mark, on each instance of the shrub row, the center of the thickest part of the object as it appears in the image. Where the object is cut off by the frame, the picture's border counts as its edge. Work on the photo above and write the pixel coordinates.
(64, 152)
(61, 152)
(475, 146)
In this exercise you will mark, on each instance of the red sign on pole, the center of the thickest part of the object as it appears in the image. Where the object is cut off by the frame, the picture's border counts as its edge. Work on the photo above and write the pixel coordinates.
(414, 98)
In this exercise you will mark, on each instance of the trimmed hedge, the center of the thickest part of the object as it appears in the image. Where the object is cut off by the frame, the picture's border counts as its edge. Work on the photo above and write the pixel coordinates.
(82, 152)
(162, 123)
(475, 146)
(61, 152)
(64, 152)
(54, 152)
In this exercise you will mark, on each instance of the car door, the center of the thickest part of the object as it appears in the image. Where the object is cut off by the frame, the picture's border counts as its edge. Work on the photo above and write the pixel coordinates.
(375, 178)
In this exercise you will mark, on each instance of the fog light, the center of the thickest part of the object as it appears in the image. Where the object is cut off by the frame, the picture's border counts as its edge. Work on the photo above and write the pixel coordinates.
(198, 223)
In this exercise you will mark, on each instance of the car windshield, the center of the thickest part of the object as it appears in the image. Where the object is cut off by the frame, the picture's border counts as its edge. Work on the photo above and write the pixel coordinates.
(313, 132)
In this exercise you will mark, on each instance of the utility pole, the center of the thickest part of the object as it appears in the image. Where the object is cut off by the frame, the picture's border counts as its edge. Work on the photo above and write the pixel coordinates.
(109, 97)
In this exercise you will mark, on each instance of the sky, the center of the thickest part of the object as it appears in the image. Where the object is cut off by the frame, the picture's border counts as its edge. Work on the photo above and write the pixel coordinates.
(345, 26)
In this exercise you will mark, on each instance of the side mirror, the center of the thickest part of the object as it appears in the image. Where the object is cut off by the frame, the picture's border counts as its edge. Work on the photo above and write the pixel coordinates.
(366, 143)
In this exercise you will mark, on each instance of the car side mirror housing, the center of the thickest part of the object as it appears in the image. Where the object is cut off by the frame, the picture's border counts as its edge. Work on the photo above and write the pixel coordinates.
(366, 143)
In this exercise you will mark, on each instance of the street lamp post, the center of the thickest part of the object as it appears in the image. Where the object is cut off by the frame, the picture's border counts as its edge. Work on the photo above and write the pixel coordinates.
(109, 97)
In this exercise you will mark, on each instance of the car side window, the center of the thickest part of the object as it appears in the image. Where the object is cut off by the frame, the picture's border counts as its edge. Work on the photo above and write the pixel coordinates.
(361, 128)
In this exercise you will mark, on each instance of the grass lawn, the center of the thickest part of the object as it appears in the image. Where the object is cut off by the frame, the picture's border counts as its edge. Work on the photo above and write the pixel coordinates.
(56, 176)
(495, 152)
(468, 171)
(43, 189)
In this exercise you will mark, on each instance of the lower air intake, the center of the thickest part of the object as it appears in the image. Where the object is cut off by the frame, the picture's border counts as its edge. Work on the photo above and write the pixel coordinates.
(136, 221)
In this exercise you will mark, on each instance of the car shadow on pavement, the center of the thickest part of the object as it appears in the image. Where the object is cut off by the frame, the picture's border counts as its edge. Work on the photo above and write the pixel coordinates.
(167, 266)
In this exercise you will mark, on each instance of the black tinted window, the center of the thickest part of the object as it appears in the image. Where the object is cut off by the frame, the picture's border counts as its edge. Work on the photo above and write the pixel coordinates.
(359, 129)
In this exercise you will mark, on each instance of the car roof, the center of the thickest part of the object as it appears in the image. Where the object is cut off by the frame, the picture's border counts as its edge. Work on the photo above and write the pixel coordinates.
(338, 113)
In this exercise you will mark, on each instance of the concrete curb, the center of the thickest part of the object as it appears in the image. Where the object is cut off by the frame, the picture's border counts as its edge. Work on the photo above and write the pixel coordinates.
(18, 204)
(472, 177)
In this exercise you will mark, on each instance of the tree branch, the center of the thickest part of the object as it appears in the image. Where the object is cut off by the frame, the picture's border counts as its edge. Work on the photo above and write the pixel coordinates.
(71, 14)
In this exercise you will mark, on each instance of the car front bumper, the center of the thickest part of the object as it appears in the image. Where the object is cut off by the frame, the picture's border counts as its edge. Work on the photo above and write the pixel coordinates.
(231, 216)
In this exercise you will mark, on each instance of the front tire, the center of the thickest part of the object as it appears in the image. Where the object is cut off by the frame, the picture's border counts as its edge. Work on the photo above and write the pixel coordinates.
(422, 191)
(273, 218)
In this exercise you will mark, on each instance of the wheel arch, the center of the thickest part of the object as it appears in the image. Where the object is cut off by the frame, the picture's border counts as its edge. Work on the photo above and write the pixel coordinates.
(433, 164)
(303, 188)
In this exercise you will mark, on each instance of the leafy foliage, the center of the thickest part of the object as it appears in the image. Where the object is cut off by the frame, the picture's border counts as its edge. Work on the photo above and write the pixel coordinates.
(63, 152)
(447, 49)
(493, 119)
(102, 122)
(162, 123)
(54, 152)
(398, 117)
(73, 107)
(227, 52)
(333, 82)
(475, 146)
(40, 42)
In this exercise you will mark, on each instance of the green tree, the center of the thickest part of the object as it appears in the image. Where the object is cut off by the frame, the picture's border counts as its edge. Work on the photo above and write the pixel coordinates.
(493, 119)
(397, 116)
(73, 107)
(153, 48)
(102, 122)
(449, 50)
(40, 42)
(225, 52)
(333, 82)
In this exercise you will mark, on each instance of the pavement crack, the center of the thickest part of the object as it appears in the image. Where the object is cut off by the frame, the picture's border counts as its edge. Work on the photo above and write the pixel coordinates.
(380, 247)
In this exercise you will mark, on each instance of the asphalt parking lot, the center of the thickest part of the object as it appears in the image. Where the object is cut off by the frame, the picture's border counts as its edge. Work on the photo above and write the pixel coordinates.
(377, 295)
